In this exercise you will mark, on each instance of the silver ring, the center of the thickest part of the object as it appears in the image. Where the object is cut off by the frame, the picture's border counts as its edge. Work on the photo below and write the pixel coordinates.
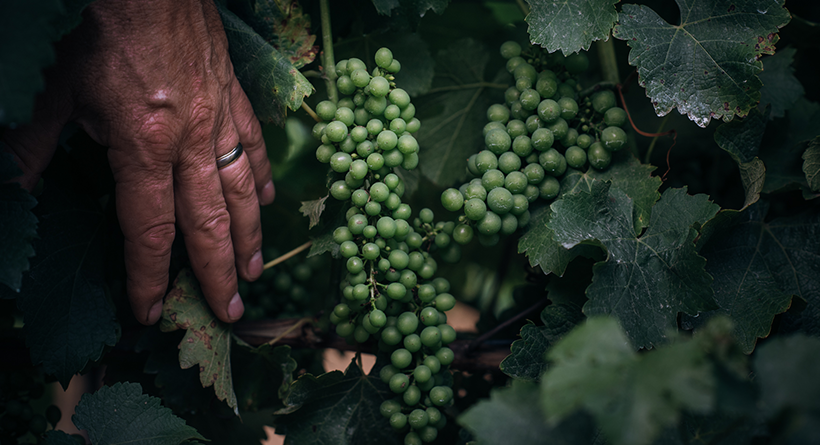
(229, 157)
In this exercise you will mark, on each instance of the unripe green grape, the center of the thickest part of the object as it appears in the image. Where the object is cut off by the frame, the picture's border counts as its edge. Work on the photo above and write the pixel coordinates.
(374, 126)
(534, 173)
(336, 131)
(375, 161)
(340, 191)
(440, 395)
(463, 234)
(553, 162)
(498, 141)
(412, 396)
(517, 111)
(408, 114)
(358, 278)
(412, 343)
(486, 160)
(532, 192)
(375, 105)
(492, 179)
(360, 291)
(598, 156)
(411, 161)
(428, 433)
(510, 49)
(396, 291)
(513, 62)
(475, 190)
(357, 223)
(345, 85)
(445, 356)
(370, 251)
(429, 316)
(549, 188)
(428, 269)
(408, 279)
(432, 362)
(398, 259)
(430, 336)
(384, 57)
(523, 219)
(365, 148)
(426, 215)
(372, 208)
(549, 110)
(418, 418)
(511, 95)
(393, 112)
(386, 140)
(386, 227)
(448, 334)
(522, 146)
(377, 318)
(392, 158)
(348, 249)
(390, 407)
(360, 78)
(559, 128)
(352, 182)
(433, 415)
(576, 63)
(452, 200)
(523, 83)
(584, 141)
(490, 224)
(379, 87)
(360, 334)
(391, 336)
(444, 302)
(422, 373)
(379, 192)
(342, 234)
(413, 240)
(603, 100)
(407, 323)
(613, 138)
(353, 64)
(530, 99)
(565, 90)
(542, 139)
(516, 127)
(358, 134)
(400, 98)
(319, 130)
(394, 67)
(516, 182)
(520, 204)
(498, 113)
(525, 71)
(615, 117)
(354, 265)
(344, 115)
(412, 438)
(509, 162)
(570, 138)
(359, 169)
(509, 224)
(499, 200)
(401, 358)
(341, 310)
(546, 86)
(345, 329)
(326, 110)
(402, 212)
(398, 420)
(576, 157)
(569, 108)
(407, 144)
(490, 126)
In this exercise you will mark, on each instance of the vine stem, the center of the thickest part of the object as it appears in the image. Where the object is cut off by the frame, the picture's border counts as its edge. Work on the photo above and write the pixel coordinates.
(310, 111)
(328, 60)
(608, 61)
(288, 255)
(524, 8)
(643, 133)
(297, 325)
(485, 336)
(654, 140)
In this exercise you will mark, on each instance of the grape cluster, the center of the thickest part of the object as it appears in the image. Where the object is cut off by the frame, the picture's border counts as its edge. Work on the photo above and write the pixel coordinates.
(390, 292)
(531, 141)
(17, 418)
(295, 279)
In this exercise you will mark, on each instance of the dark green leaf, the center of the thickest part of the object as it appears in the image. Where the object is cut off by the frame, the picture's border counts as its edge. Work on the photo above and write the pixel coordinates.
(18, 222)
(538, 243)
(263, 375)
(341, 409)
(385, 7)
(753, 177)
(207, 340)
(267, 76)
(645, 281)
(283, 25)
(416, 8)
(68, 317)
(513, 415)
(741, 137)
(631, 397)
(708, 65)
(780, 88)
(322, 244)
(454, 112)
(57, 437)
(741, 257)
(313, 210)
(570, 25)
(783, 147)
(527, 360)
(811, 165)
(122, 414)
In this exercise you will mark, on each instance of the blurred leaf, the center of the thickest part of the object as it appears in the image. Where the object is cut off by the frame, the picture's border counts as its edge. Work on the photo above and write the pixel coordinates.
(741, 256)
(263, 375)
(513, 415)
(18, 222)
(454, 111)
(336, 408)
(783, 147)
(527, 360)
(644, 281)
(121, 414)
(415, 8)
(780, 88)
(571, 25)
(811, 164)
(706, 66)
(207, 340)
(68, 317)
(271, 82)
(313, 210)
(632, 397)
(57, 437)
(283, 24)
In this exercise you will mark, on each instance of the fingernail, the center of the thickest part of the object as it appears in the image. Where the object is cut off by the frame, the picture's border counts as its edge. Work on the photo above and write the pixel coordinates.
(255, 266)
(235, 307)
(155, 312)
(268, 193)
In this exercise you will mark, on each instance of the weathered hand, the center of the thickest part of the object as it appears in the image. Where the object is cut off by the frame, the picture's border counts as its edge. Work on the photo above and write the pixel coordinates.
(152, 80)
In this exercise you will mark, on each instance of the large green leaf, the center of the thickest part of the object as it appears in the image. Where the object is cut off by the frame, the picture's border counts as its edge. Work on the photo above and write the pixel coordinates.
(741, 139)
(122, 414)
(527, 360)
(454, 112)
(68, 317)
(742, 256)
(267, 76)
(538, 243)
(780, 88)
(18, 222)
(570, 25)
(706, 66)
(632, 397)
(513, 415)
(341, 409)
(645, 281)
(207, 340)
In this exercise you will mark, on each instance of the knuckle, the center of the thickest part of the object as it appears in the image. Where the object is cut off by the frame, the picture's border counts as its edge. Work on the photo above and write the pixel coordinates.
(155, 239)
(216, 227)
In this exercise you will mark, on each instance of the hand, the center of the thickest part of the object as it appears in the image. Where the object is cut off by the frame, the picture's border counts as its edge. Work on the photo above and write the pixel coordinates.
(152, 80)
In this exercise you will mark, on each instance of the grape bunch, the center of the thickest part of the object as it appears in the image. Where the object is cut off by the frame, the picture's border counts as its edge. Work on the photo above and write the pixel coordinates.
(531, 141)
(390, 292)
(295, 280)
(17, 418)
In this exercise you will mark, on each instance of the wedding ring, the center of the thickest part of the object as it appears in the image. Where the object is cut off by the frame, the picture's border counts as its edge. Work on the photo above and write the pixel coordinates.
(228, 158)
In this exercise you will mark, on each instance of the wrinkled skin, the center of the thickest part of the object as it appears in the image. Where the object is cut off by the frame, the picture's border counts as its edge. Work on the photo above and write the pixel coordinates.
(152, 81)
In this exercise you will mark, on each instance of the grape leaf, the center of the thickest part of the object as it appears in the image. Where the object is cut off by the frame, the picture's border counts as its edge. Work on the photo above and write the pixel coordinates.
(741, 256)
(19, 223)
(263, 375)
(68, 317)
(645, 280)
(753, 178)
(632, 397)
(413, 8)
(207, 340)
(539, 245)
(741, 138)
(526, 360)
(811, 164)
(707, 66)
(122, 414)
(780, 88)
(454, 111)
(570, 25)
(783, 147)
(336, 408)
(313, 210)
(57, 437)
(513, 415)
(267, 76)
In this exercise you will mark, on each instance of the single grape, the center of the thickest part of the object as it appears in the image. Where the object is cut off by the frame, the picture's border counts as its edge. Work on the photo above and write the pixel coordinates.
(546, 86)
(510, 49)
(492, 179)
(336, 131)
(400, 98)
(407, 323)
(390, 407)
(509, 162)
(429, 316)
(326, 110)
(584, 141)
(418, 418)
(430, 336)
(412, 396)
(522, 146)
(498, 141)
(615, 117)
(398, 420)
(542, 139)
(553, 162)
(498, 113)
(490, 224)
(569, 108)
(500, 200)
(549, 110)
(439, 395)
(613, 138)
(549, 188)
(576, 157)
(475, 209)
(384, 57)
(340, 190)
(401, 358)
(559, 128)
(412, 343)
(598, 156)
(603, 100)
(516, 182)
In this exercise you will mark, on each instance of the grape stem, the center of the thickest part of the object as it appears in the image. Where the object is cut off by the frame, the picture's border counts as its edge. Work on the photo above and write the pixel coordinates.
(310, 111)
(288, 255)
(328, 60)
(524, 7)
(672, 132)
(608, 61)
(487, 335)
(299, 323)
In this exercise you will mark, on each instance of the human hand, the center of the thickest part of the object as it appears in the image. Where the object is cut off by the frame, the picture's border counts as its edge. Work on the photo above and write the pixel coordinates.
(152, 80)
